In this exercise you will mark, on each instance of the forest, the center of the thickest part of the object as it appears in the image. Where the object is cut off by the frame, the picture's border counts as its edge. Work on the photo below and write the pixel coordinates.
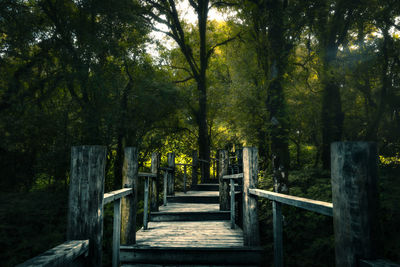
(286, 76)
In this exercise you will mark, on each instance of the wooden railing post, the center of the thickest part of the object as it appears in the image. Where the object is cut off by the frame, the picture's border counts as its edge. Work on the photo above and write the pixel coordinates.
(129, 203)
(155, 185)
(278, 230)
(223, 184)
(171, 174)
(250, 179)
(165, 187)
(146, 203)
(184, 178)
(116, 232)
(85, 205)
(232, 193)
(355, 201)
(195, 162)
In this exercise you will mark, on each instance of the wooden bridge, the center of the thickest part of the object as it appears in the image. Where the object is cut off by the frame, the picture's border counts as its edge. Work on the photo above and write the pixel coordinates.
(199, 227)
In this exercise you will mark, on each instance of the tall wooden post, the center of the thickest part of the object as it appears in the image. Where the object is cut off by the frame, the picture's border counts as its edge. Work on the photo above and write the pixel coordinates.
(355, 201)
(171, 174)
(129, 203)
(195, 161)
(250, 179)
(223, 184)
(155, 185)
(86, 193)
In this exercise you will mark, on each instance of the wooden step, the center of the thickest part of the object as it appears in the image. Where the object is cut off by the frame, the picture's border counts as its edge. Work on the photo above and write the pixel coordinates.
(193, 199)
(189, 216)
(239, 256)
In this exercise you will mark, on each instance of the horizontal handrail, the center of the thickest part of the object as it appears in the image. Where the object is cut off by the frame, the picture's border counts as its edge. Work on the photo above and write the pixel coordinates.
(233, 176)
(113, 195)
(166, 169)
(321, 207)
(147, 174)
(61, 255)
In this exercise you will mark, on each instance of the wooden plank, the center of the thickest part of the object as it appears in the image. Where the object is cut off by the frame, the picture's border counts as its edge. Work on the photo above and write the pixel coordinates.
(171, 174)
(223, 184)
(146, 203)
(233, 176)
(117, 194)
(155, 183)
(86, 194)
(189, 216)
(187, 207)
(116, 232)
(232, 193)
(60, 255)
(355, 201)
(317, 206)
(147, 174)
(251, 233)
(129, 203)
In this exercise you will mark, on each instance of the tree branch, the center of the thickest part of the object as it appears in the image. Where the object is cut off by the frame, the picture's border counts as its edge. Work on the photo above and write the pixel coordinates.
(211, 51)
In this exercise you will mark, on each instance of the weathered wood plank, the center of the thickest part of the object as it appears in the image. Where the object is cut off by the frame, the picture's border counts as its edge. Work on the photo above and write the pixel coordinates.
(355, 201)
(171, 174)
(61, 255)
(129, 203)
(317, 206)
(116, 232)
(117, 194)
(251, 233)
(233, 176)
(223, 184)
(86, 195)
(155, 183)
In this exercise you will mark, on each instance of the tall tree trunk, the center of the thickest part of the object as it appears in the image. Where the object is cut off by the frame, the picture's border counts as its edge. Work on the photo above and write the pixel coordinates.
(276, 103)
(332, 115)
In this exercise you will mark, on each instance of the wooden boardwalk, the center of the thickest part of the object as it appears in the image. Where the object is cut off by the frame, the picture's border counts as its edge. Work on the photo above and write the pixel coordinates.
(190, 231)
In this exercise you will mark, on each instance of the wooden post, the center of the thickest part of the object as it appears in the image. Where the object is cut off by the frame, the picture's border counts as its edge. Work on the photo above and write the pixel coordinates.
(146, 203)
(355, 201)
(278, 230)
(165, 187)
(85, 203)
(155, 164)
(223, 184)
(184, 178)
(116, 232)
(195, 161)
(250, 178)
(232, 203)
(171, 174)
(129, 203)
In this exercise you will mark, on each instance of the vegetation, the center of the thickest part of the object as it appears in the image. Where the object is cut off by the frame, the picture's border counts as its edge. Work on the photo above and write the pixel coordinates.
(288, 77)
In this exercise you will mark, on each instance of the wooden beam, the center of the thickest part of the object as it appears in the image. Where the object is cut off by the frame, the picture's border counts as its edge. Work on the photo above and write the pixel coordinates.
(321, 207)
(86, 195)
(165, 188)
(117, 194)
(146, 203)
(251, 233)
(355, 201)
(278, 231)
(62, 255)
(233, 176)
(129, 203)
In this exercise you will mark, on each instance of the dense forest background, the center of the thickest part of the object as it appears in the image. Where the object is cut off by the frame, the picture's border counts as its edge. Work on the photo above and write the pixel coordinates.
(288, 77)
